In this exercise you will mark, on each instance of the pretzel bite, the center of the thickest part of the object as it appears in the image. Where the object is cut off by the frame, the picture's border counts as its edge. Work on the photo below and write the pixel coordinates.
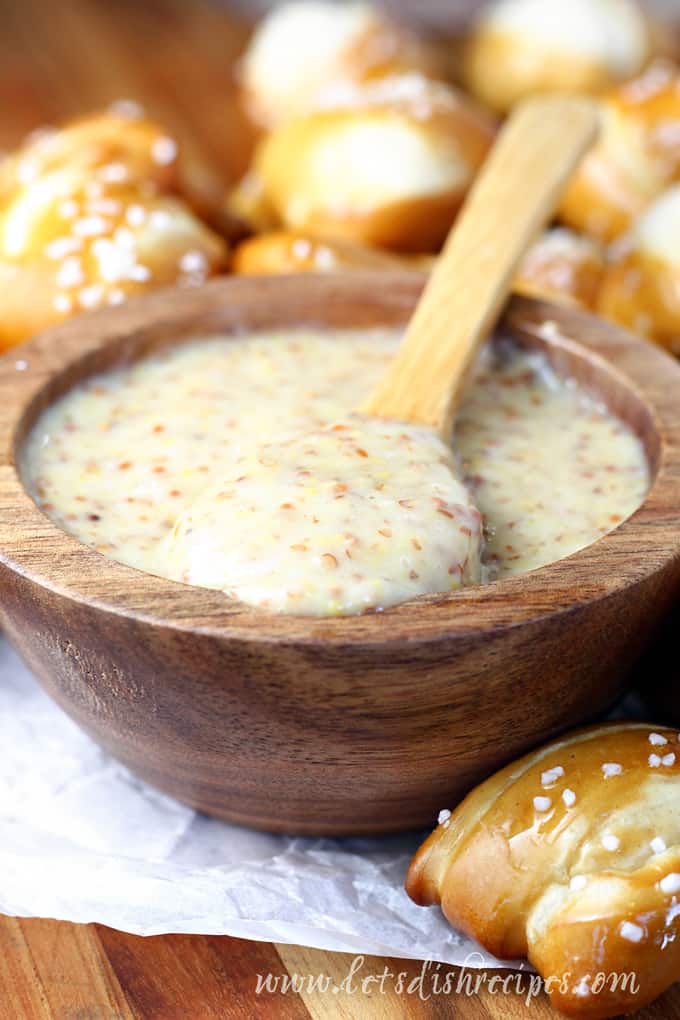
(86, 247)
(562, 266)
(522, 47)
(387, 165)
(293, 251)
(302, 48)
(121, 146)
(641, 286)
(571, 857)
(636, 157)
(89, 215)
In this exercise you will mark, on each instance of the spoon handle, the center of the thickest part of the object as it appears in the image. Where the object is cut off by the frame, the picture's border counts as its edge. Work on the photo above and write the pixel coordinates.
(512, 199)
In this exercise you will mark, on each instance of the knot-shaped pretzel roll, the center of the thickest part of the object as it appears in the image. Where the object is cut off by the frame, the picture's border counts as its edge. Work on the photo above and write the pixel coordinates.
(386, 164)
(562, 266)
(571, 857)
(522, 47)
(90, 215)
(303, 48)
(641, 286)
(635, 158)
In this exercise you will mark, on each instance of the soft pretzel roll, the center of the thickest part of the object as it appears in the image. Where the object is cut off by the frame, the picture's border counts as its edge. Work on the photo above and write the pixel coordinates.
(641, 286)
(522, 47)
(388, 166)
(562, 266)
(636, 157)
(120, 148)
(302, 48)
(571, 857)
(294, 251)
(66, 248)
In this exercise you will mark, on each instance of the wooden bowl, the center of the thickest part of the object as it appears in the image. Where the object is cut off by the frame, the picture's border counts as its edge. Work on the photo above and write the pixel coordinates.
(344, 725)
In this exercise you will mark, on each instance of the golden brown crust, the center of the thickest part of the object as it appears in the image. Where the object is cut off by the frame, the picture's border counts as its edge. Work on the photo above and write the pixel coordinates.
(504, 62)
(641, 291)
(499, 71)
(296, 251)
(380, 47)
(563, 266)
(636, 157)
(90, 216)
(571, 857)
(334, 172)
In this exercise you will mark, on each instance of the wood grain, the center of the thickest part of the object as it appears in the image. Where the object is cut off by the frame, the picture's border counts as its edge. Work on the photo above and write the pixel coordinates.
(309, 724)
(57, 59)
(53, 971)
(512, 199)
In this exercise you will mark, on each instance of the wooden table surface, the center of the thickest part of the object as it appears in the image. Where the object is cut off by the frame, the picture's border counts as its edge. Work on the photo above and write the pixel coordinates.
(59, 58)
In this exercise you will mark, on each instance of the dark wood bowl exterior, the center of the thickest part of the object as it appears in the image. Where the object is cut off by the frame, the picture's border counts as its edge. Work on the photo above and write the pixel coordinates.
(331, 726)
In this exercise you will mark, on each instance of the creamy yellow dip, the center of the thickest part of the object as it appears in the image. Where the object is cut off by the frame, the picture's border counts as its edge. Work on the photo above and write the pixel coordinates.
(238, 464)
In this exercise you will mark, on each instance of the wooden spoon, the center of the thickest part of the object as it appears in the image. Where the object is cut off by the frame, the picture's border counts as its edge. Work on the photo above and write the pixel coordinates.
(513, 198)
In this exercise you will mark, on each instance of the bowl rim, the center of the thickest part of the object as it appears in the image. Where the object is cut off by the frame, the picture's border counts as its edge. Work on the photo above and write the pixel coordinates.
(36, 373)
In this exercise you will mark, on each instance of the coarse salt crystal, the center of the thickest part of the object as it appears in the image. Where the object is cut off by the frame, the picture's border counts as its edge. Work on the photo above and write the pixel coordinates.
(114, 173)
(104, 206)
(160, 219)
(552, 775)
(668, 759)
(657, 739)
(124, 237)
(542, 803)
(164, 150)
(89, 297)
(62, 246)
(135, 215)
(569, 797)
(611, 768)
(193, 262)
(70, 272)
(654, 761)
(139, 273)
(90, 226)
(631, 932)
(302, 248)
(443, 816)
(62, 303)
(610, 842)
(127, 108)
(671, 883)
(658, 845)
(68, 208)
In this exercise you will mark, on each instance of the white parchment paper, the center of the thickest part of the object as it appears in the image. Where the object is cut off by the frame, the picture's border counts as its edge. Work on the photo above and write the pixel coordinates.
(81, 839)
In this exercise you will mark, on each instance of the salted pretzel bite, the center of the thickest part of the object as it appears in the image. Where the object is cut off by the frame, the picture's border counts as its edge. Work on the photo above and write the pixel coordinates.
(90, 214)
(120, 148)
(386, 164)
(562, 266)
(522, 47)
(571, 857)
(641, 286)
(636, 156)
(303, 48)
(112, 249)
